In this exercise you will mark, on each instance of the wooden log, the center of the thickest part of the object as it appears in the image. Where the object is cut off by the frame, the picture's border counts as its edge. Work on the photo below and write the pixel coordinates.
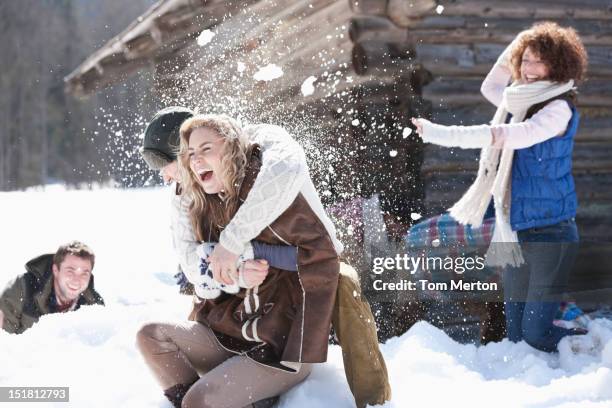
(404, 13)
(603, 166)
(268, 20)
(372, 28)
(469, 29)
(95, 78)
(375, 7)
(290, 42)
(477, 59)
(382, 58)
(451, 192)
(536, 9)
(454, 92)
(384, 90)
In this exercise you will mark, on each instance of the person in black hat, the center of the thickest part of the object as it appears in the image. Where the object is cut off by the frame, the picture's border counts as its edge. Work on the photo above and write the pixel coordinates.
(283, 166)
(161, 138)
(159, 151)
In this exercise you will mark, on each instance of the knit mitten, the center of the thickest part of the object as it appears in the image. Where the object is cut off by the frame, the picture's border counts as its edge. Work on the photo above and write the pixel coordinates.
(207, 287)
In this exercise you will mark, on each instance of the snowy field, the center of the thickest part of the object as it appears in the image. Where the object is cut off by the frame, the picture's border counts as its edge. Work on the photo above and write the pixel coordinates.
(93, 352)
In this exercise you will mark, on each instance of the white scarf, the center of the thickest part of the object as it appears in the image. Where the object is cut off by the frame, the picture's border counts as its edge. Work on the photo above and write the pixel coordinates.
(494, 180)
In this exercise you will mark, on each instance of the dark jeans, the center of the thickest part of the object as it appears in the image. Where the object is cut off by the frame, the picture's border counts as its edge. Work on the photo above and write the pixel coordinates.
(533, 291)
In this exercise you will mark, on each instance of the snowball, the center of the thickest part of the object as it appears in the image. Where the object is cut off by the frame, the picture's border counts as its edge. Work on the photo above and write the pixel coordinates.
(308, 85)
(205, 37)
(355, 122)
(393, 153)
(268, 73)
(406, 132)
(439, 9)
(415, 216)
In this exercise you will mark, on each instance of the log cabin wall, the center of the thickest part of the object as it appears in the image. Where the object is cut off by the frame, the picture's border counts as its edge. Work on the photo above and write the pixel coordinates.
(354, 123)
(389, 153)
(303, 38)
(458, 42)
(376, 62)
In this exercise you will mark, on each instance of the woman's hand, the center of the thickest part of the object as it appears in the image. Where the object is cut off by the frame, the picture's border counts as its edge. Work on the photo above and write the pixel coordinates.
(418, 125)
(254, 272)
(224, 265)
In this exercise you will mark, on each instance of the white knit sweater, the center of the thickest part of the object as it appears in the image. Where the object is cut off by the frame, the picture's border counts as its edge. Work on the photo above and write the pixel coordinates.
(283, 174)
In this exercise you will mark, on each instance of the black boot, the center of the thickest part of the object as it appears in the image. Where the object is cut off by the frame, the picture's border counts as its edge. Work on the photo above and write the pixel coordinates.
(266, 403)
(176, 393)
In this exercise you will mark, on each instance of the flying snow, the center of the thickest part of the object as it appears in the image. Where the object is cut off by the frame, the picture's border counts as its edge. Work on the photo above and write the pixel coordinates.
(308, 85)
(205, 37)
(268, 73)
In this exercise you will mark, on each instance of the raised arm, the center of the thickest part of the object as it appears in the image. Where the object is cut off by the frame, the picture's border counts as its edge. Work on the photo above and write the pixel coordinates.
(496, 81)
(500, 75)
(282, 174)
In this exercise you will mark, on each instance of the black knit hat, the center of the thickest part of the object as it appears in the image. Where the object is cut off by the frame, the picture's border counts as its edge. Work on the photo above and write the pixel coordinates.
(161, 137)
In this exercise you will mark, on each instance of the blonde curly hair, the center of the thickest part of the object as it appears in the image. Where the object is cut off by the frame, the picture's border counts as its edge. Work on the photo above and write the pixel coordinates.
(213, 209)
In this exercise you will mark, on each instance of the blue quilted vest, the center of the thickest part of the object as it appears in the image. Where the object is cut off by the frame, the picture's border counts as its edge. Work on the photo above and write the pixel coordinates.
(543, 191)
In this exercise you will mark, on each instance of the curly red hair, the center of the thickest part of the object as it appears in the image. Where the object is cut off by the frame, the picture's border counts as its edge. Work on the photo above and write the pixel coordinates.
(560, 48)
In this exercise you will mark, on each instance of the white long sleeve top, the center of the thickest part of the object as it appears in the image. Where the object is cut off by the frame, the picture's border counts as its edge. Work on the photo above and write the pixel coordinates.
(283, 174)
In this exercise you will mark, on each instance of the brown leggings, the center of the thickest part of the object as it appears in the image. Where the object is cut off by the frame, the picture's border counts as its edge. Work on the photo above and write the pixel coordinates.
(181, 353)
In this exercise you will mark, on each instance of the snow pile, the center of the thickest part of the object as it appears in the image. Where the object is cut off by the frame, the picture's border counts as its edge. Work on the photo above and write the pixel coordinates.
(93, 352)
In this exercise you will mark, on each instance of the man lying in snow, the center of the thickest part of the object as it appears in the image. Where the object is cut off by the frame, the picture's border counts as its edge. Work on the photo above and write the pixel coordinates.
(53, 283)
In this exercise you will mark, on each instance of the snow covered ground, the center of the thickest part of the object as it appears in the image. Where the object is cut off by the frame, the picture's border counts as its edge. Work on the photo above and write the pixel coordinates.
(93, 352)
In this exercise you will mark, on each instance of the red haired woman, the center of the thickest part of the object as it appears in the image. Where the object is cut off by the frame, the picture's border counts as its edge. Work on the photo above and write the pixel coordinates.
(526, 167)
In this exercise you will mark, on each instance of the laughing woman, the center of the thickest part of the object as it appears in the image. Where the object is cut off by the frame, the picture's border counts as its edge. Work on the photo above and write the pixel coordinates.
(250, 343)
(526, 165)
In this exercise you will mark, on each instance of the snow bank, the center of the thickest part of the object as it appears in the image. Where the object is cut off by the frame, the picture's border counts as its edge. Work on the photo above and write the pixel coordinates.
(93, 352)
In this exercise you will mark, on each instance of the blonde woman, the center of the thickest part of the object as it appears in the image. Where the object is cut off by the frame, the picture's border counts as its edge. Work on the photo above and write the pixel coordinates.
(259, 342)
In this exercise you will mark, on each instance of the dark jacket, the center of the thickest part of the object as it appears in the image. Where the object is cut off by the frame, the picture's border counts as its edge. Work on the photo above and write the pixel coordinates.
(295, 309)
(31, 295)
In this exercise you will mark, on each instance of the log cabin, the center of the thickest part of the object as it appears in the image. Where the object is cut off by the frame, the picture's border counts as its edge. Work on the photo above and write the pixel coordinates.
(353, 74)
